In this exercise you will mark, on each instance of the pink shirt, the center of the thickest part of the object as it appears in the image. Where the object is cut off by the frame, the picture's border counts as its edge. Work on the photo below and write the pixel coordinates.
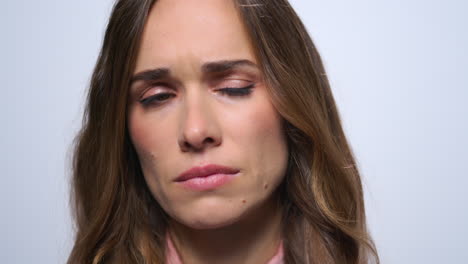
(172, 257)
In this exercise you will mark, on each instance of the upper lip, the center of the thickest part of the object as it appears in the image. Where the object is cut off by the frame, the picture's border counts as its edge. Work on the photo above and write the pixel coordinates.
(205, 171)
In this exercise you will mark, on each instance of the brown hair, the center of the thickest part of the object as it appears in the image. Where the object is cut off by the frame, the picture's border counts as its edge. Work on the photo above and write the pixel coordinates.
(117, 218)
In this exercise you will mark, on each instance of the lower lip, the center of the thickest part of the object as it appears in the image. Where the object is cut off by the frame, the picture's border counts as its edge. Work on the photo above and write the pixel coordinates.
(207, 183)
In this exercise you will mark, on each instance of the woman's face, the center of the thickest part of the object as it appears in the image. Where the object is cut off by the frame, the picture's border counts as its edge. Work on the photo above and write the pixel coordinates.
(180, 117)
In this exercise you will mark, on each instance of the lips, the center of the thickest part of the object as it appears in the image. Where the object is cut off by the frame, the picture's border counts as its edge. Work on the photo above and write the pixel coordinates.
(205, 171)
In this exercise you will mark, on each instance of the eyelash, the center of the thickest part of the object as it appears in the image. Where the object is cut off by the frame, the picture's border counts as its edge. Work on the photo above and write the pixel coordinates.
(244, 91)
(230, 91)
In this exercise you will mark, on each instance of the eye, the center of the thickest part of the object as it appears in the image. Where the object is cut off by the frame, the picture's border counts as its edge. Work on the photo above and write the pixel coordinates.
(156, 99)
(243, 91)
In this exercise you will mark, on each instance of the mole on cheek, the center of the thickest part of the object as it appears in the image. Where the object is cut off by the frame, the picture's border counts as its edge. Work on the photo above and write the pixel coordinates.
(265, 186)
(243, 201)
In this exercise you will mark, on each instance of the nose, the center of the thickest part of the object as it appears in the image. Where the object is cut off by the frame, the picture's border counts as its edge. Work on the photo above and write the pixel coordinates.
(199, 128)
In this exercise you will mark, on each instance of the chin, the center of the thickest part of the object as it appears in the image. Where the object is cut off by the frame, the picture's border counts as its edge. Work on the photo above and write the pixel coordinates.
(210, 216)
(203, 224)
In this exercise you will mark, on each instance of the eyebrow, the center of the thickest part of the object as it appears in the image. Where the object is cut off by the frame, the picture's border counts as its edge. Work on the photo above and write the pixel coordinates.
(225, 65)
(154, 74)
(209, 67)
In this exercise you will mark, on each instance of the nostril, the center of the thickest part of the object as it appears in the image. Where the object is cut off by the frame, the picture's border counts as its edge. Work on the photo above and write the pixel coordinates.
(187, 145)
(209, 140)
(198, 146)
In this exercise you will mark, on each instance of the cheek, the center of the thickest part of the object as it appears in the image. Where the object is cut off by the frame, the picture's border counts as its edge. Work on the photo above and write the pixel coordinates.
(263, 142)
(149, 137)
(151, 141)
(140, 126)
(139, 131)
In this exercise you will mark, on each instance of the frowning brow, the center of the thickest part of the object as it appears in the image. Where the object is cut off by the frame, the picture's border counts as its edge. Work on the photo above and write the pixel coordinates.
(209, 67)
(225, 65)
(151, 75)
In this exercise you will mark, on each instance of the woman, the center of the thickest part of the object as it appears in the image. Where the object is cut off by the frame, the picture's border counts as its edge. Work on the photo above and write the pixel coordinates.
(211, 136)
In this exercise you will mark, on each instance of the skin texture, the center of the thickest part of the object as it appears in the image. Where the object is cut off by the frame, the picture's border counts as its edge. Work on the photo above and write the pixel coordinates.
(195, 124)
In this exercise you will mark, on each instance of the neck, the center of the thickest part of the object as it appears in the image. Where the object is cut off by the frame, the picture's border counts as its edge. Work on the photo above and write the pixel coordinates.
(254, 239)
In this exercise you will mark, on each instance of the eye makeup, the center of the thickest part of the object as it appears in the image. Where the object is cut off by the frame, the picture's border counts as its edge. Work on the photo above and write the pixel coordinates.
(237, 91)
(156, 99)
(160, 98)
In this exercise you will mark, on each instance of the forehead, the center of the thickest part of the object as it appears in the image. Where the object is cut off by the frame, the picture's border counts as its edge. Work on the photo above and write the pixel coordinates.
(183, 34)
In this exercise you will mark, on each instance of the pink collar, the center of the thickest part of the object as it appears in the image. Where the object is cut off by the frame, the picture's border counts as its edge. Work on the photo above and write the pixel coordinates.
(172, 257)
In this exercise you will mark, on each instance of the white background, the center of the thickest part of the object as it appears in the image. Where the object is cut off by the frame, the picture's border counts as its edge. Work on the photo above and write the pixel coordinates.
(398, 70)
